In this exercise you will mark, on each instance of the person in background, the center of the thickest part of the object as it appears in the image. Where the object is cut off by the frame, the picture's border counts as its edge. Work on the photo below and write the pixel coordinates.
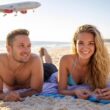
(49, 67)
(21, 72)
(89, 64)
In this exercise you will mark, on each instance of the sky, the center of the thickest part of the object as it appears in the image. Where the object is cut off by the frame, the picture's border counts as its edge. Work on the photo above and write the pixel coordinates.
(57, 20)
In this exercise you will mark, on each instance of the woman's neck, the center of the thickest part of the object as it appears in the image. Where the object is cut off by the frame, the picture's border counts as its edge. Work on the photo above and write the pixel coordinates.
(82, 62)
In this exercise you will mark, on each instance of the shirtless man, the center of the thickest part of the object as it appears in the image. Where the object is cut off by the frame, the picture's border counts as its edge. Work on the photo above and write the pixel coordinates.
(19, 68)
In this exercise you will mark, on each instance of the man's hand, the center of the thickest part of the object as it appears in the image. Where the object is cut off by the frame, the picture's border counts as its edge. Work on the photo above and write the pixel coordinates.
(13, 96)
(82, 93)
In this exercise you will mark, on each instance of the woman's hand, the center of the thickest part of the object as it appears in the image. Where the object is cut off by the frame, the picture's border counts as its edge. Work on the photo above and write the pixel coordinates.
(103, 93)
(82, 93)
(97, 91)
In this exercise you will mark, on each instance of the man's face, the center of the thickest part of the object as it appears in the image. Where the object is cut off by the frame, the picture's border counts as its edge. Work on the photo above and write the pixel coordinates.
(21, 48)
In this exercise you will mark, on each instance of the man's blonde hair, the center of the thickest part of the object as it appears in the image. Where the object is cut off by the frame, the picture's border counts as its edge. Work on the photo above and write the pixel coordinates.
(11, 36)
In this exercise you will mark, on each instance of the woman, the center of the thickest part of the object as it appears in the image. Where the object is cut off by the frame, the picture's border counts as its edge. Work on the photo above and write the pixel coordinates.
(89, 64)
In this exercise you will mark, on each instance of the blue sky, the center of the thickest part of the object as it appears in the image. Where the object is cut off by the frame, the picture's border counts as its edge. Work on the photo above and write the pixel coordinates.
(57, 20)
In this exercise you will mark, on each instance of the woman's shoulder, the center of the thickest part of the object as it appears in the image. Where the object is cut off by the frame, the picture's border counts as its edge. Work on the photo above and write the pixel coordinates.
(68, 57)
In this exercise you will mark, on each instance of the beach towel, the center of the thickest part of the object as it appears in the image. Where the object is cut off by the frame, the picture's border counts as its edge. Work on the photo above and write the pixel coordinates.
(50, 89)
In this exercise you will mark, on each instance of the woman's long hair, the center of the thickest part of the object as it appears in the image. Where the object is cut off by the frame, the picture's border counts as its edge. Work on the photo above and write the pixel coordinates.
(99, 63)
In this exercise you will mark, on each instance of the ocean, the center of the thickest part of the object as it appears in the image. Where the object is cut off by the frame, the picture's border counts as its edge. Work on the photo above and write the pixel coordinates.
(38, 44)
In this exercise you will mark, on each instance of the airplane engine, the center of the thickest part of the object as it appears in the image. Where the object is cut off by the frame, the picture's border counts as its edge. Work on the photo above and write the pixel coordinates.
(8, 11)
(23, 11)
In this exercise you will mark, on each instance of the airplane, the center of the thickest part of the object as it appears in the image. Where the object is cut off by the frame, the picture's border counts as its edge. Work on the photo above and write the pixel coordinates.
(20, 6)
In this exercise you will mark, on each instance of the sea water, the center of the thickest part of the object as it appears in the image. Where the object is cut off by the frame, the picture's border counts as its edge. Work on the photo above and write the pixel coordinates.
(38, 44)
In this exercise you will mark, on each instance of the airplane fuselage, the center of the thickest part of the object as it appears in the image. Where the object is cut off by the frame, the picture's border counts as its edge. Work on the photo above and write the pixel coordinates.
(19, 6)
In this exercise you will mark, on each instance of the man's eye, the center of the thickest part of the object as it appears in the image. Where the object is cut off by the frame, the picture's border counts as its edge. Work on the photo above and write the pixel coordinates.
(29, 46)
(21, 46)
(80, 43)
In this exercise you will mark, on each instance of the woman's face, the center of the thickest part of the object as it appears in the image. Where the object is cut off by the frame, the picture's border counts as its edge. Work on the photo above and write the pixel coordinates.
(85, 45)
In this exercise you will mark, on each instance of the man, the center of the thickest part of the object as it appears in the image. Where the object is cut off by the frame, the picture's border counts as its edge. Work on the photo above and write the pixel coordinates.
(19, 68)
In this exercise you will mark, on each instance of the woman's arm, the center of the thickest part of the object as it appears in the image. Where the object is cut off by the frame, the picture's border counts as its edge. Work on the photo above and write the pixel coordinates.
(63, 79)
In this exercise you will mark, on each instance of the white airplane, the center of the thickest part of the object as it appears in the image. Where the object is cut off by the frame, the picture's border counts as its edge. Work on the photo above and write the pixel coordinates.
(20, 6)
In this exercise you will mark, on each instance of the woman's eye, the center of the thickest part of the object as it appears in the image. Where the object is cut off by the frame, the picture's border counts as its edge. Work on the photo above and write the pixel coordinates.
(91, 43)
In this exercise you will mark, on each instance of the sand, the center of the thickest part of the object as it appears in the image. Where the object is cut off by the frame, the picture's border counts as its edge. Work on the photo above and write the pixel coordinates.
(57, 53)
(49, 103)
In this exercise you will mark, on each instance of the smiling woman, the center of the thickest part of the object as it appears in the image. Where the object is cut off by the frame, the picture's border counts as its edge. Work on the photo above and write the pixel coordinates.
(89, 63)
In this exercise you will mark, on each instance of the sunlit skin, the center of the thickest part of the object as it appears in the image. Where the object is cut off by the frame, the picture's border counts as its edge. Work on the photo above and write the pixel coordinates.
(19, 69)
(21, 49)
(85, 50)
(103, 93)
(85, 47)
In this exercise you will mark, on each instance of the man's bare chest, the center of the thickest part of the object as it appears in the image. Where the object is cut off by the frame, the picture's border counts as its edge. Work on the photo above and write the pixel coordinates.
(18, 78)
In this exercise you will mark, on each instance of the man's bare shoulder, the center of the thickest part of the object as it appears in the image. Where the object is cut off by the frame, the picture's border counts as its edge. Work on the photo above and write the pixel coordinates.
(35, 61)
(3, 62)
(3, 57)
(35, 58)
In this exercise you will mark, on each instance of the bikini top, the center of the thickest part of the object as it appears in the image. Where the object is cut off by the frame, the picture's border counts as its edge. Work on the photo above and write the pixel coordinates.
(71, 81)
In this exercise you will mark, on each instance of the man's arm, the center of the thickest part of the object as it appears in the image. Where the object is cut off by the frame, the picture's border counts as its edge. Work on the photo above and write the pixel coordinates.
(2, 95)
(8, 96)
(1, 82)
(36, 81)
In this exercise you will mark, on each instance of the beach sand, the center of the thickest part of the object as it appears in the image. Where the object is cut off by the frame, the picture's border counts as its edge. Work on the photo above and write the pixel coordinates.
(57, 53)
(49, 103)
